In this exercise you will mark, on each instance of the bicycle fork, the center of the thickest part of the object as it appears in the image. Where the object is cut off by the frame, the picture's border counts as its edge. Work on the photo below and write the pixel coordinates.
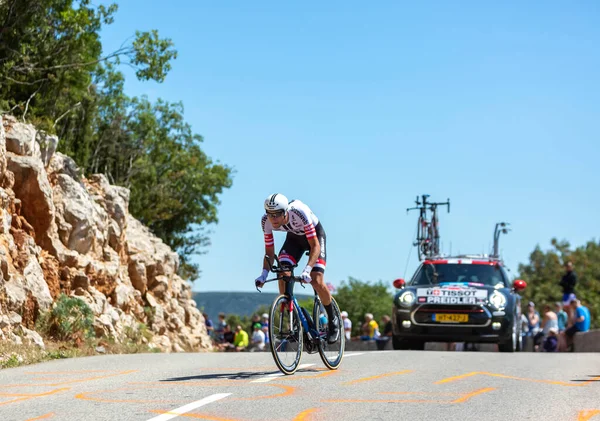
(290, 308)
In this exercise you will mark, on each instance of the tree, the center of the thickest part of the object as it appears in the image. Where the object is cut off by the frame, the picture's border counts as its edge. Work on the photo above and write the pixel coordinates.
(50, 51)
(545, 269)
(54, 73)
(358, 298)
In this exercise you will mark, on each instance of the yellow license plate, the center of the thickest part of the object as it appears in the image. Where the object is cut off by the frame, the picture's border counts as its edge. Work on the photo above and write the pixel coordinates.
(451, 318)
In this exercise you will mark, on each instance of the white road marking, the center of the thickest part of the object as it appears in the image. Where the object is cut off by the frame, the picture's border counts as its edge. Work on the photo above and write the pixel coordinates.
(273, 376)
(353, 355)
(190, 406)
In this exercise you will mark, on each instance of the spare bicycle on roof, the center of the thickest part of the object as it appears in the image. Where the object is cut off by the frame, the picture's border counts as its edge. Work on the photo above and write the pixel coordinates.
(428, 230)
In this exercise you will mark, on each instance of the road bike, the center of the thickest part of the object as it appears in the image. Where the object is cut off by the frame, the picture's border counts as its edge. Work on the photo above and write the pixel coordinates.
(292, 330)
(428, 232)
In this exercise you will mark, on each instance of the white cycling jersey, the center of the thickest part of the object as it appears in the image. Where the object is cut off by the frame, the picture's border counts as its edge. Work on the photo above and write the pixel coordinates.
(302, 221)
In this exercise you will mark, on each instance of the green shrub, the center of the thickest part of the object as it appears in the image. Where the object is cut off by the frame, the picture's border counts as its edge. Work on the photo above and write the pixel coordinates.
(138, 336)
(69, 319)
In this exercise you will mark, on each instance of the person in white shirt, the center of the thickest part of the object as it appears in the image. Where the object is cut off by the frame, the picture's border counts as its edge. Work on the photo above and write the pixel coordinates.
(347, 325)
(257, 343)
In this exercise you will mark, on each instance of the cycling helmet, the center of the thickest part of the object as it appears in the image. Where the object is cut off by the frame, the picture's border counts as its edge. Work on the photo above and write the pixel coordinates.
(276, 202)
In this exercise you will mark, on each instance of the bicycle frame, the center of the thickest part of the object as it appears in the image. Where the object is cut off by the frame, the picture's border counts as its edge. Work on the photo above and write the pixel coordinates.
(312, 333)
(290, 280)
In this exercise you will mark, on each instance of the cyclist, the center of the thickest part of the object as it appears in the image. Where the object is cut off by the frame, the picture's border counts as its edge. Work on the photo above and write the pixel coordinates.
(304, 233)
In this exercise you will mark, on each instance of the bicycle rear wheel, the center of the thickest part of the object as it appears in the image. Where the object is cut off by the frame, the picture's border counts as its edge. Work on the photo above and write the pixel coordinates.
(285, 335)
(331, 354)
(422, 236)
(434, 236)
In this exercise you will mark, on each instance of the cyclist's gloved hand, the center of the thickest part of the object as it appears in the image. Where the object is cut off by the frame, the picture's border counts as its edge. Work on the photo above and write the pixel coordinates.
(260, 281)
(306, 275)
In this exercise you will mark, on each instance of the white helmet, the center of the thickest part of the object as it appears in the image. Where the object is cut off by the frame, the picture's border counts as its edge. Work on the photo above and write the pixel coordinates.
(276, 202)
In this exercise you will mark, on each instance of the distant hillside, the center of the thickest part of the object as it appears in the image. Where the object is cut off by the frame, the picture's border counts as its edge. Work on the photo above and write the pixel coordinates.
(240, 303)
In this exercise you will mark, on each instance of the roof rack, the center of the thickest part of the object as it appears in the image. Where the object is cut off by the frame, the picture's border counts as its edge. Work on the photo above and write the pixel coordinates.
(466, 256)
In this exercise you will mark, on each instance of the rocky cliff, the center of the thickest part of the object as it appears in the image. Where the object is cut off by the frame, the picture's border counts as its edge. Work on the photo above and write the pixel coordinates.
(63, 233)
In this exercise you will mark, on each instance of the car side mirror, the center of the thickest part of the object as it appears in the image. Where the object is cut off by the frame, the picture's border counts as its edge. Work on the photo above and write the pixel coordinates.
(399, 283)
(519, 285)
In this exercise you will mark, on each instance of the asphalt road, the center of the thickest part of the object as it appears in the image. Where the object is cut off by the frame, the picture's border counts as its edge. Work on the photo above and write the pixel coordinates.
(390, 385)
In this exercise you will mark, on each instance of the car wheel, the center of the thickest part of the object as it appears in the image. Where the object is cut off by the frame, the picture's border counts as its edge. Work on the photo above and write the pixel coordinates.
(511, 344)
(417, 345)
(519, 339)
(398, 343)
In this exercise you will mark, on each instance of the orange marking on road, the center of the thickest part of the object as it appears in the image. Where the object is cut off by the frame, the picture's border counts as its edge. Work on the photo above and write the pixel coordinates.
(289, 390)
(24, 397)
(462, 376)
(586, 415)
(198, 416)
(17, 395)
(121, 373)
(503, 376)
(268, 368)
(366, 379)
(41, 417)
(463, 397)
(14, 400)
(475, 393)
(382, 401)
(87, 396)
(419, 393)
(305, 415)
(325, 373)
(69, 372)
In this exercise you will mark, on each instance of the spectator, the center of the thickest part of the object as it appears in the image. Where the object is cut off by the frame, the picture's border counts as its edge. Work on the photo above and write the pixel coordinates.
(241, 339)
(382, 340)
(255, 319)
(550, 321)
(209, 325)
(228, 339)
(581, 322)
(370, 328)
(220, 328)
(567, 283)
(258, 339)
(551, 342)
(347, 325)
(265, 320)
(524, 326)
(562, 317)
(265, 330)
(533, 320)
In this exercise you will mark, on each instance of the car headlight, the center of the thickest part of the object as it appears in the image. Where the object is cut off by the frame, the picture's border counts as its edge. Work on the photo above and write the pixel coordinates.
(497, 300)
(407, 298)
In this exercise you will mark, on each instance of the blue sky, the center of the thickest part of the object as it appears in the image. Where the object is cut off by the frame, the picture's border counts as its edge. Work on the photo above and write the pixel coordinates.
(357, 108)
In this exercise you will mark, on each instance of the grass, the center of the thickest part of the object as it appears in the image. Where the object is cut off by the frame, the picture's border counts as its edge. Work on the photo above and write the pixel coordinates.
(13, 355)
(67, 330)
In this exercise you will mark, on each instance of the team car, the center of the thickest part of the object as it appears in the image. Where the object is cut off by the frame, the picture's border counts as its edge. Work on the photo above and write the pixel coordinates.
(460, 299)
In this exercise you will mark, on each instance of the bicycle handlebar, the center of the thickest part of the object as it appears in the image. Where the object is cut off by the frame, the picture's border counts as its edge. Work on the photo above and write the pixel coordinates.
(430, 205)
(281, 269)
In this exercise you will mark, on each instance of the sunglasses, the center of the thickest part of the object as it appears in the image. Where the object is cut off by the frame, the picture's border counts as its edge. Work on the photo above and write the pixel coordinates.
(275, 214)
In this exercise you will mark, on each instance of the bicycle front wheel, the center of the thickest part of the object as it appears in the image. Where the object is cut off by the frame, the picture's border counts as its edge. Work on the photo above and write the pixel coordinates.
(331, 354)
(285, 335)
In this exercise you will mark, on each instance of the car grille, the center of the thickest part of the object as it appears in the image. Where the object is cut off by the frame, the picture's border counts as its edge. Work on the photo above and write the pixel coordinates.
(431, 308)
(477, 315)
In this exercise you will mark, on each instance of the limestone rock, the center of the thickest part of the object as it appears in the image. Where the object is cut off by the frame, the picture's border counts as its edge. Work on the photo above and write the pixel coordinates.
(63, 233)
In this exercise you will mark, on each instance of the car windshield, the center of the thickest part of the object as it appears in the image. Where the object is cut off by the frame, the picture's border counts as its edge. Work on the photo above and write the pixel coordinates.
(432, 274)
